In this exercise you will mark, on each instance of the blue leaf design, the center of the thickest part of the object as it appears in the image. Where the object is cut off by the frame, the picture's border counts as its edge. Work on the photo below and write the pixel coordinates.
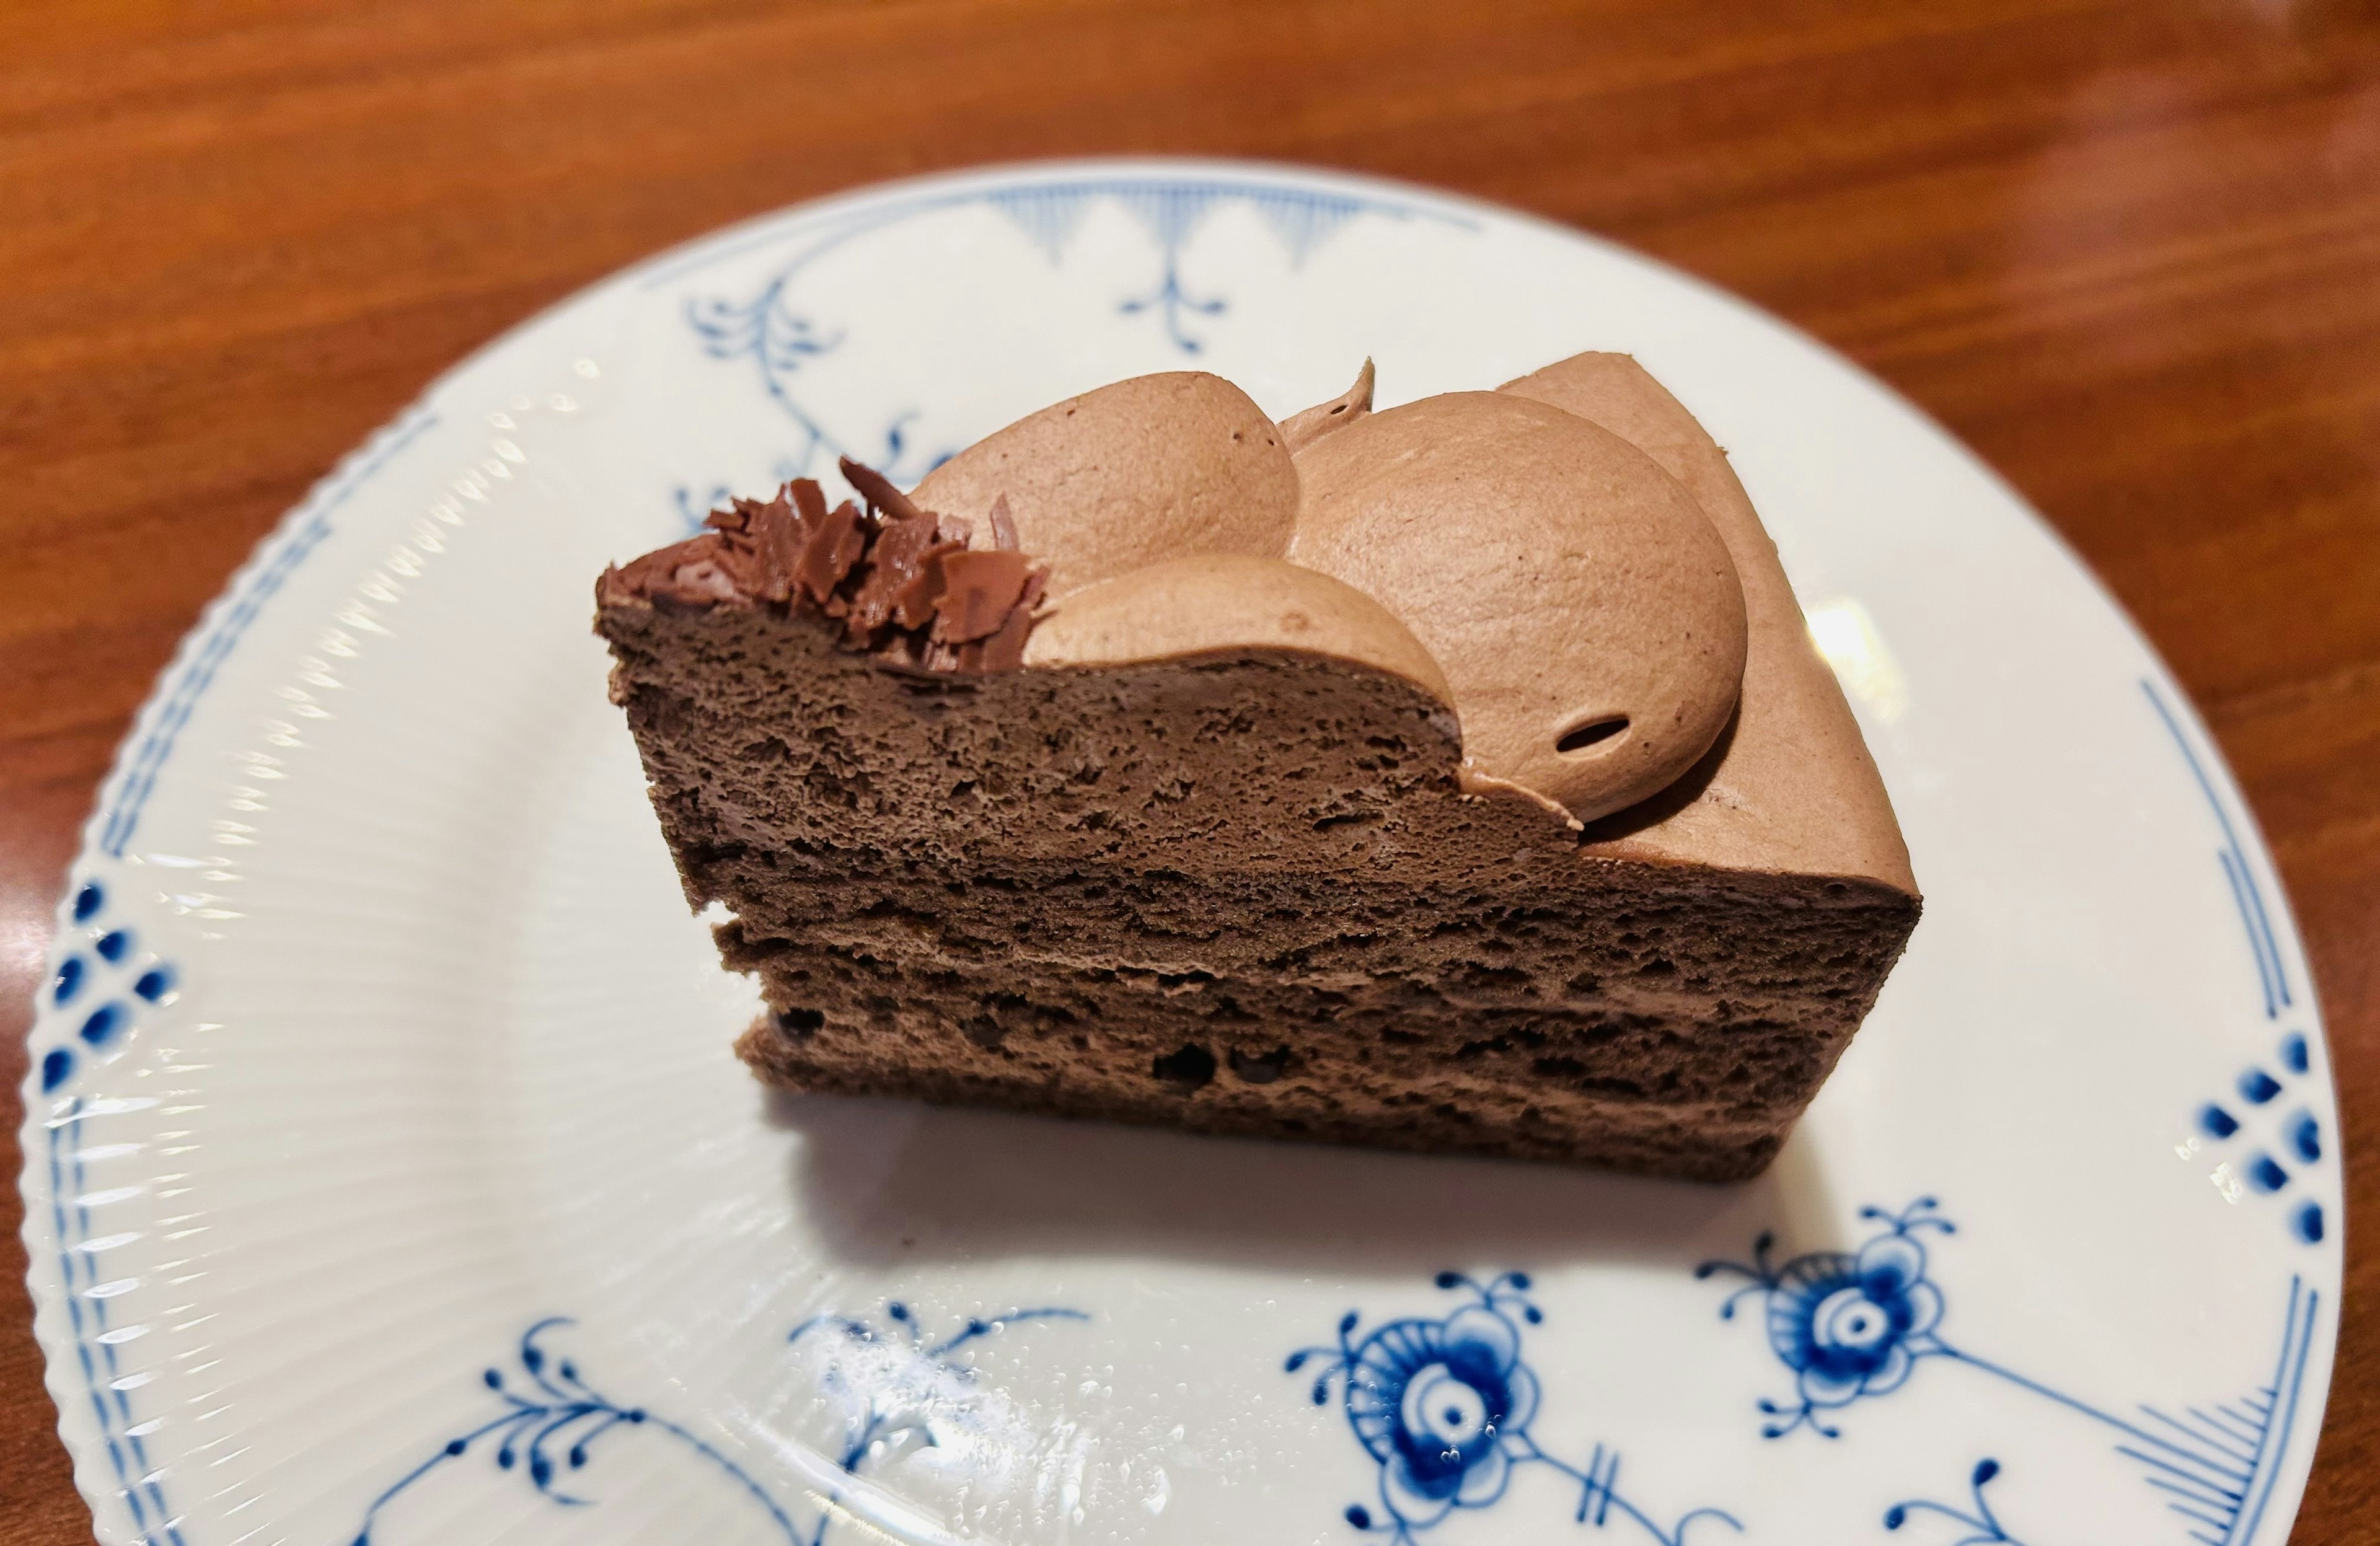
(550, 1402)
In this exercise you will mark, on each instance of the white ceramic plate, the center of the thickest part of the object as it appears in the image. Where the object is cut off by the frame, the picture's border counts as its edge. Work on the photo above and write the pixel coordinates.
(389, 1178)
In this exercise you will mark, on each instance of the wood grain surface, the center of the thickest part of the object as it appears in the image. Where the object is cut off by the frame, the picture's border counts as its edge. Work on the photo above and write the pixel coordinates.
(2129, 253)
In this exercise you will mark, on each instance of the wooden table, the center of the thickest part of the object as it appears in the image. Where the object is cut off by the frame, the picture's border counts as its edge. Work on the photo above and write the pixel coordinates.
(2129, 252)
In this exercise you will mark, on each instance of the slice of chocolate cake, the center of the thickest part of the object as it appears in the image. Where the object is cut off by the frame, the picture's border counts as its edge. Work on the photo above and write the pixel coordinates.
(1456, 777)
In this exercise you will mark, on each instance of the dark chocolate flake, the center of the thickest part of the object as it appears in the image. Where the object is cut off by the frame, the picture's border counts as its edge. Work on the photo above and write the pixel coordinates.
(834, 546)
(701, 569)
(979, 592)
(777, 540)
(1005, 650)
(900, 558)
(912, 592)
(736, 519)
(878, 490)
(913, 605)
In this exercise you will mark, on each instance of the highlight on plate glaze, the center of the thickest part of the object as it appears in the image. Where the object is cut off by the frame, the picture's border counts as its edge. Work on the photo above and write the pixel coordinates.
(202, 655)
(900, 1388)
(1443, 1408)
(105, 981)
(552, 1421)
(778, 334)
(1854, 1326)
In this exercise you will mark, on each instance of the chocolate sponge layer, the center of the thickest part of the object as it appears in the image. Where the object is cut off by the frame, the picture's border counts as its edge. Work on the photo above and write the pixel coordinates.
(1243, 892)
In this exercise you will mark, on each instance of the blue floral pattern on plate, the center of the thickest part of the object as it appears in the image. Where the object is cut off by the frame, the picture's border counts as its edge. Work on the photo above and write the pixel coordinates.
(1443, 1408)
(884, 1417)
(1853, 1326)
(2297, 1132)
(770, 329)
(1983, 1525)
(549, 1404)
(553, 1419)
(1848, 1324)
(105, 983)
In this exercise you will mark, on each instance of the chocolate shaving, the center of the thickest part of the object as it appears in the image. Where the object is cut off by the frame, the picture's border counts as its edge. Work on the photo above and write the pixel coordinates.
(697, 572)
(778, 540)
(904, 582)
(979, 592)
(622, 583)
(914, 606)
(735, 520)
(900, 566)
(878, 490)
(834, 546)
(1005, 651)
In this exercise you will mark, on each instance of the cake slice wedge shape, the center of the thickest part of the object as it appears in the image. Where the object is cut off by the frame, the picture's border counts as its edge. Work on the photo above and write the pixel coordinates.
(1205, 852)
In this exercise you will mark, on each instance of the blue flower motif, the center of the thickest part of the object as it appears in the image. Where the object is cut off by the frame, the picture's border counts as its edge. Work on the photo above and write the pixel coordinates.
(1848, 1324)
(1851, 1325)
(1444, 1406)
(1854, 1325)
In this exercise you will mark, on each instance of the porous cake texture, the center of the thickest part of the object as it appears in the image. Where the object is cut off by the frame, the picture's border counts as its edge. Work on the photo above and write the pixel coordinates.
(1456, 777)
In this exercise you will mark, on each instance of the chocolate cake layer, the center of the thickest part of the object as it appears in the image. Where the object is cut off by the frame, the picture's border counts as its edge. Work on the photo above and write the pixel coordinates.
(1454, 1113)
(1745, 1066)
(1072, 889)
